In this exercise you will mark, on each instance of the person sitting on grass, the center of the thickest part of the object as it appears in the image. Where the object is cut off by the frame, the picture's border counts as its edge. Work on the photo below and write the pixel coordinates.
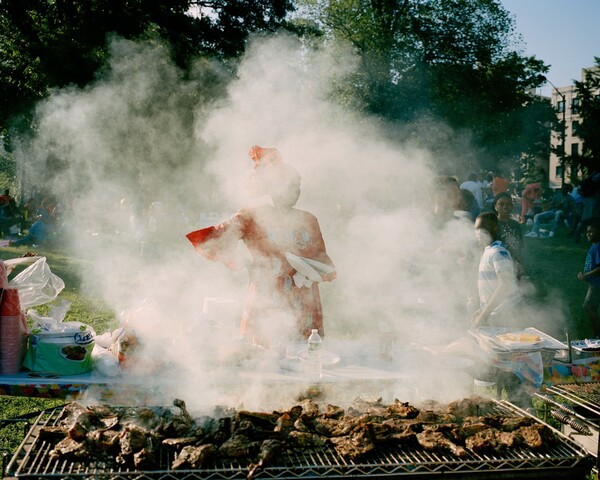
(561, 208)
(38, 232)
(591, 275)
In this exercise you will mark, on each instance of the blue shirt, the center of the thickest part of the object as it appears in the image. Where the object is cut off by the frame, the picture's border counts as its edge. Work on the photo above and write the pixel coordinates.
(592, 261)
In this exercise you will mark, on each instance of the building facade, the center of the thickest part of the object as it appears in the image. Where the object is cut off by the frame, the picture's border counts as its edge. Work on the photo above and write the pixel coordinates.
(565, 102)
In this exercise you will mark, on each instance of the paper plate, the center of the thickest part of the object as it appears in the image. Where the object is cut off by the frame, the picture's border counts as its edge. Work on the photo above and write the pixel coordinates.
(592, 343)
(319, 266)
(304, 268)
(13, 262)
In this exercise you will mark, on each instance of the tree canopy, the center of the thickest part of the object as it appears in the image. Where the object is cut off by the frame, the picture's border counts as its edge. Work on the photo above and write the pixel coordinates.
(46, 44)
(588, 93)
(453, 59)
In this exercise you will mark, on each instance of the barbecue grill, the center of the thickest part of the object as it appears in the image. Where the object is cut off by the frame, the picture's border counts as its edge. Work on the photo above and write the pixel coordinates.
(577, 407)
(561, 460)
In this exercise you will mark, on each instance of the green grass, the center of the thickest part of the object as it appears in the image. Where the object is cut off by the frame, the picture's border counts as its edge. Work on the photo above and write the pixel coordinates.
(551, 265)
(83, 309)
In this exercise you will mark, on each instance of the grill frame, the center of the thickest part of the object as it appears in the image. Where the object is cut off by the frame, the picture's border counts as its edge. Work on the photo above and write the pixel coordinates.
(566, 460)
(579, 413)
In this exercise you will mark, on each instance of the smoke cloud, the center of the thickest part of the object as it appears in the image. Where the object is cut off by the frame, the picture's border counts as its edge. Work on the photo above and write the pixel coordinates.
(146, 141)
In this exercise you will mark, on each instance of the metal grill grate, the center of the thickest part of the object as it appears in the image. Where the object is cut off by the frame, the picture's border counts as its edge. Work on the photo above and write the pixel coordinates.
(563, 460)
(586, 395)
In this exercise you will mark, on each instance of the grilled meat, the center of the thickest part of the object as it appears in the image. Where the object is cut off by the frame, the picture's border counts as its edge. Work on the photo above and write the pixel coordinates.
(104, 441)
(510, 424)
(179, 442)
(306, 439)
(472, 406)
(132, 436)
(432, 416)
(269, 450)
(53, 434)
(431, 439)
(490, 440)
(355, 445)
(284, 423)
(239, 446)
(334, 412)
(72, 449)
(402, 410)
(535, 436)
(145, 459)
(194, 457)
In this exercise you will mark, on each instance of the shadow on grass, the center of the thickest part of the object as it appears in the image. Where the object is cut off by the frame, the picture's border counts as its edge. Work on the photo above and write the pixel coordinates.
(552, 265)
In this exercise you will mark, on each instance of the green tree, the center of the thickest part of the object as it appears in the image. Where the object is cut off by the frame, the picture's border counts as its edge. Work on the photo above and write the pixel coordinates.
(452, 59)
(588, 93)
(54, 43)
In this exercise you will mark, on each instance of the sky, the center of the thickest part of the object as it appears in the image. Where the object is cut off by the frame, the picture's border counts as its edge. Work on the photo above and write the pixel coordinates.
(562, 33)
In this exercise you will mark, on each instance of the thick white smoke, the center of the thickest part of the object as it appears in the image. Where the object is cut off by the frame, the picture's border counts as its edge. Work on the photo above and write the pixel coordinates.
(123, 148)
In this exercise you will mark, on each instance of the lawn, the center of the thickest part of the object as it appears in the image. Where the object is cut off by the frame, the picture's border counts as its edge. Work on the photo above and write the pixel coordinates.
(550, 264)
(84, 309)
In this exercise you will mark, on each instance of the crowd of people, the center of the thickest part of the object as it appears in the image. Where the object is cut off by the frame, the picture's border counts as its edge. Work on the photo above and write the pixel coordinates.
(508, 215)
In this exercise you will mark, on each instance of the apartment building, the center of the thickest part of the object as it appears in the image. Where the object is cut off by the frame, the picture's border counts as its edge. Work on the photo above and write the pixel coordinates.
(565, 102)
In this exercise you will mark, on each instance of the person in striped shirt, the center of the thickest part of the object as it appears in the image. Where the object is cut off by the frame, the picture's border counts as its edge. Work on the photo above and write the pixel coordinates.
(497, 284)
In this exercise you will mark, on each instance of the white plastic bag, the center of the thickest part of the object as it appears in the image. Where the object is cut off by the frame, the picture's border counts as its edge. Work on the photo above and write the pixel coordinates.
(37, 285)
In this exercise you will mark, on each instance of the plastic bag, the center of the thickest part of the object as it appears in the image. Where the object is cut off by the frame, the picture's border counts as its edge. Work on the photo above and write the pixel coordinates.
(37, 285)
(52, 322)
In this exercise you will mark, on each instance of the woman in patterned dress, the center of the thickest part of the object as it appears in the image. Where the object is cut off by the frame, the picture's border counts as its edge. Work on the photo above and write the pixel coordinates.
(277, 295)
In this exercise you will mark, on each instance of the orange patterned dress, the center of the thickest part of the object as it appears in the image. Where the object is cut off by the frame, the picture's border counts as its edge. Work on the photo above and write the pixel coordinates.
(268, 234)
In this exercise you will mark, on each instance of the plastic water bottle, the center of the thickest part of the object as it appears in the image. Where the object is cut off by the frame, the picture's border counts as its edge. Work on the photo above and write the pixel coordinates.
(314, 353)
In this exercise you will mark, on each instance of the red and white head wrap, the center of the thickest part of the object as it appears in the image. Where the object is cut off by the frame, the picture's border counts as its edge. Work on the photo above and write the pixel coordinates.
(269, 172)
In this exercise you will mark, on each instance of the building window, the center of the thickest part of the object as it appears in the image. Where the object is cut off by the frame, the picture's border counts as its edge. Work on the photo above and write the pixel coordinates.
(560, 106)
(558, 171)
(575, 128)
(575, 105)
(574, 149)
